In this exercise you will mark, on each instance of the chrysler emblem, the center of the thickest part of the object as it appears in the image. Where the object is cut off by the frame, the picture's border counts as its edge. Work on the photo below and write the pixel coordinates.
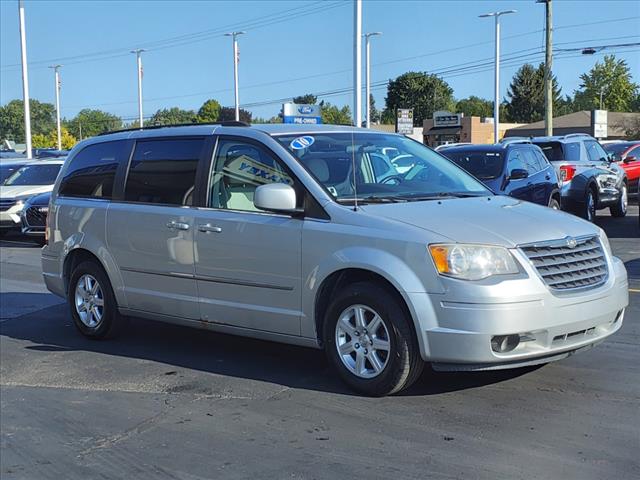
(571, 242)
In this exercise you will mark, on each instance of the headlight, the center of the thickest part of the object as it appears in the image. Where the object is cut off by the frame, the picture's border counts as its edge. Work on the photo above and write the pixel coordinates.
(607, 181)
(472, 262)
(605, 243)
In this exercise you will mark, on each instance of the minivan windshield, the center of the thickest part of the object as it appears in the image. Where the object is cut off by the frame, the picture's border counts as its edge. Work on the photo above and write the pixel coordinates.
(35, 175)
(361, 164)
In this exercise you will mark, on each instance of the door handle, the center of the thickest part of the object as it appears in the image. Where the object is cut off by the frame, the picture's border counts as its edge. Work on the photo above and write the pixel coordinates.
(547, 177)
(208, 228)
(177, 225)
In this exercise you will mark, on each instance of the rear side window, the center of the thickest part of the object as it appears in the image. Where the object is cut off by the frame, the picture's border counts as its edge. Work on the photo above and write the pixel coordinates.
(595, 151)
(556, 151)
(516, 161)
(531, 161)
(92, 171)
(164, 171)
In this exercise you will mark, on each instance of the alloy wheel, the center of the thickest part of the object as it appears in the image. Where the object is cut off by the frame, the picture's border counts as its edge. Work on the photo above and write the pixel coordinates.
(362, 341)
(89, 301)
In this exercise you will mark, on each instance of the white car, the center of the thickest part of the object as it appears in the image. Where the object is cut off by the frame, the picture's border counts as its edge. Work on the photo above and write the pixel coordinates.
(31, 179)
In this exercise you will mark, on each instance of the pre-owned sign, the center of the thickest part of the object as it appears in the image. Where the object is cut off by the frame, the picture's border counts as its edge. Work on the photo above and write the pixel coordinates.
(404, 121)
(304, 114)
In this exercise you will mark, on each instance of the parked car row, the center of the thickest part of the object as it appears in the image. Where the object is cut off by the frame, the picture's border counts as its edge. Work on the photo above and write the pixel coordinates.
(23, 181)
(572, 172)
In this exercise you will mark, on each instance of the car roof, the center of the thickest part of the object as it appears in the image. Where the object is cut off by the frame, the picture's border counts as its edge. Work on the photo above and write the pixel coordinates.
(572, 137)
(53, 161)
(484, 147)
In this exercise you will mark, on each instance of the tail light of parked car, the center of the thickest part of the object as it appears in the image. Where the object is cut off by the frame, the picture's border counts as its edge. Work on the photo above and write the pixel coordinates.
(47, 229)
(567, 172)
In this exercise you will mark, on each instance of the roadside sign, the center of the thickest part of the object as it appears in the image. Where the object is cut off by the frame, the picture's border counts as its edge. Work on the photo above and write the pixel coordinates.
(404, 121)
(301, 114)
(599, 123)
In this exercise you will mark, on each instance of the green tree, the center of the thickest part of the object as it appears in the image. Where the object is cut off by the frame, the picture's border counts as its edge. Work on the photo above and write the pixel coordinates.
(374, 113)
(308, 99)
(89, 123)
(228, 114)
(43, 119)
(333, 115)
(40, 140)
(475, 107)
(613, 78)
(209, 111)
(423, 92)
(172, 116)
(525, 96)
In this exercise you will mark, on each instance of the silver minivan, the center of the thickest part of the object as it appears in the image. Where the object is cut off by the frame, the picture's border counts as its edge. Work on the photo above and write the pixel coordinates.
(305, 234)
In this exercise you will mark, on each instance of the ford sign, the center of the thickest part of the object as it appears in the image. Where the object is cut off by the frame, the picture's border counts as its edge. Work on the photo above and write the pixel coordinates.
(305, 109)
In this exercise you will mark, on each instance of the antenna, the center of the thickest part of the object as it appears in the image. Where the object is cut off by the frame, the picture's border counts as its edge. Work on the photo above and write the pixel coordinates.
(353, 169)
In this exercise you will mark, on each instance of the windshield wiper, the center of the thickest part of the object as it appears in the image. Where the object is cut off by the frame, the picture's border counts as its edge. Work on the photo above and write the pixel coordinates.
(372, 199)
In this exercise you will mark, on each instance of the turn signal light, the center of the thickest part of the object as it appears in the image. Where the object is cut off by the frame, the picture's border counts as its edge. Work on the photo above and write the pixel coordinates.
(567, 172)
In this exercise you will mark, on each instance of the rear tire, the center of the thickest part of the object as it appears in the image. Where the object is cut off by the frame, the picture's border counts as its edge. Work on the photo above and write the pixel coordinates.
(620, 208)
(92, 303)
(370, 340)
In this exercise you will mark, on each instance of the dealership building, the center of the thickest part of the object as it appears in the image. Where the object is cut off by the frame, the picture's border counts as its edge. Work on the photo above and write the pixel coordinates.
(448, 127)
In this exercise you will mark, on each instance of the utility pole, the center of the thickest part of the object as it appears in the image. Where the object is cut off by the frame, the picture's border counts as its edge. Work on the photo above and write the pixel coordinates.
(548, 75)
(25, 81)
(367, 74)
(56, 69)
(138, 53)
(357, 63)
(496, 100)
(601, 94)
(234, 36)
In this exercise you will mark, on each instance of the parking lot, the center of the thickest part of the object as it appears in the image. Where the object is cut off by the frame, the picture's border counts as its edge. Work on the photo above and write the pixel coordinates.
(169, 402)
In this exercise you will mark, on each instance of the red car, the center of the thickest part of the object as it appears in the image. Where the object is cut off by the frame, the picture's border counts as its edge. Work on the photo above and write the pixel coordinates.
(628, 155)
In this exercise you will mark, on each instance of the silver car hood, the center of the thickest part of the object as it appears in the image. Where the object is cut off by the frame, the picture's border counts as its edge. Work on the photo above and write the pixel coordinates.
(16, 191)
(496, 220)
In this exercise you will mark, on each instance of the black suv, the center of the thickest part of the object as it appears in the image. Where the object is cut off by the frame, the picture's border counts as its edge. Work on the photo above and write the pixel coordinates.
(589, 180)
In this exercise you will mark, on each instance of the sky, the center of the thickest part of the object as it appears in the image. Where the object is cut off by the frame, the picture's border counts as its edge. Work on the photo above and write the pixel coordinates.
(290, 48)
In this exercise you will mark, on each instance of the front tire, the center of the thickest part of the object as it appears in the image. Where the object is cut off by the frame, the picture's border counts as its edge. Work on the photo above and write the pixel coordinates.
(620, 208)
(92, 303)
(370, 341)
(554, 204)
(588, 211)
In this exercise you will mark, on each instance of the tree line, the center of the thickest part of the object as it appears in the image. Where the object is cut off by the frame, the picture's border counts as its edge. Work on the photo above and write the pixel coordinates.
(609, 80)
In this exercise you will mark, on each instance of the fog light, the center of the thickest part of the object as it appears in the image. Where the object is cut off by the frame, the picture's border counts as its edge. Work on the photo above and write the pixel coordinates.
(504, 343)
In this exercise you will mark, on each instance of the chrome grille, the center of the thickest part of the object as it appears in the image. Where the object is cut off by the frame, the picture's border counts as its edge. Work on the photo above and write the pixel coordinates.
(565, 267)
(6, 204)
(36, 216)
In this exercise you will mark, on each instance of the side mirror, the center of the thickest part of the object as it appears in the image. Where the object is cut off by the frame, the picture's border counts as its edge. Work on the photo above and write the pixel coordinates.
(518, 174)
(630, 158)
(276, 197)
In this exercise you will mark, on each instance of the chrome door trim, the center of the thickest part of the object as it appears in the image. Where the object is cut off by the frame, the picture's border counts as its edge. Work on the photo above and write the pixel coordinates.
(156, 272)
(207, 278)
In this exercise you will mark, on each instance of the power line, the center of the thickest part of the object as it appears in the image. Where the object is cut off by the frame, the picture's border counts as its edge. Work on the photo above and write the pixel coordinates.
(186, 39)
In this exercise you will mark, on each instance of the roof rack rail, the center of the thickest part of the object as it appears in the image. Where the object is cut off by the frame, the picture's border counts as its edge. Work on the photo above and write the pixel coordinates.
(508, 140)
(230, 123)
(570, 135)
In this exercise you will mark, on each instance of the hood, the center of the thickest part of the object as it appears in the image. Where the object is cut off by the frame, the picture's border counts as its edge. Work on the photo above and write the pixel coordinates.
(41, 199)
(16, 191)
(495, 220)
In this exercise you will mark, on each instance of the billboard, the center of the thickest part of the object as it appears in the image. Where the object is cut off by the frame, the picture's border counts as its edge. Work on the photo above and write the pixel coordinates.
(302, 114)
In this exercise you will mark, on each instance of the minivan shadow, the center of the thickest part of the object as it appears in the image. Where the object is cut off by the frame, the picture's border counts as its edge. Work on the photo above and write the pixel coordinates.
(50, 330)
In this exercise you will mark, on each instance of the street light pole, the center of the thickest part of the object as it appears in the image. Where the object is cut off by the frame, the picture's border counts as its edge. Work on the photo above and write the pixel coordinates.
(234, 36)
(357, 62)
(548, 75)
(138, 53)
(367, 73)
(56, 69)
(496, 100)
(25, 81)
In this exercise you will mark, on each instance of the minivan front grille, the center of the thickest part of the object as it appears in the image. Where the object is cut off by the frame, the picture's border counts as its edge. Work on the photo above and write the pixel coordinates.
(6, 204)
(569, 263)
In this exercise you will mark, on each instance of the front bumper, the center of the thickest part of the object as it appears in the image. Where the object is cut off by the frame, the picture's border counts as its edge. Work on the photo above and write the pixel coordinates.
(459, 325)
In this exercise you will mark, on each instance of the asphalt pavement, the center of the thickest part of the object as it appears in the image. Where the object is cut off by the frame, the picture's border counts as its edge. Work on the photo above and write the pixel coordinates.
(166, 402)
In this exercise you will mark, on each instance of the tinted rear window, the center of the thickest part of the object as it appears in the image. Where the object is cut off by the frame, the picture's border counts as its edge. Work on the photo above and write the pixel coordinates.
(164, 171)
(556, 151)
(482, 165)
(92, 171)
(35, 175)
